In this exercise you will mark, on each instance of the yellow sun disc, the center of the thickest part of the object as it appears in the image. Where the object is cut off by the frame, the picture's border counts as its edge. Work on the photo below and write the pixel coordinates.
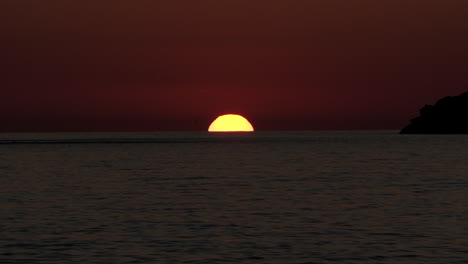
(230, 123)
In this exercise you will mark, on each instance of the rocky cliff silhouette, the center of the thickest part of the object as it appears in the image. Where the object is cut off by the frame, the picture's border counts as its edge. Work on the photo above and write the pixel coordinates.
(448, 116)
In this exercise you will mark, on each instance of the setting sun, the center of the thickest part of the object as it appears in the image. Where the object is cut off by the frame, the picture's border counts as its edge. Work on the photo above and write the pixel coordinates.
(230, 123)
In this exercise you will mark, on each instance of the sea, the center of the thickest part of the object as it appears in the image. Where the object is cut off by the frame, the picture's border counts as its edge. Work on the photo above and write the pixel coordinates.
(302, 197)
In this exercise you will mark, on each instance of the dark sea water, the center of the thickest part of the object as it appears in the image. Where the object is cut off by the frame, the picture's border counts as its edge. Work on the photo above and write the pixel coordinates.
(265, 197)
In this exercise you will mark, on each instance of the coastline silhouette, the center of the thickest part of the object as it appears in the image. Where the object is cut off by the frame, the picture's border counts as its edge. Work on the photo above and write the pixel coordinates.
(448, 116)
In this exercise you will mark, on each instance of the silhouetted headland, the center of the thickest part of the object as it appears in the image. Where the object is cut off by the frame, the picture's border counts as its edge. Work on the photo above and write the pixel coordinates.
(448, 116)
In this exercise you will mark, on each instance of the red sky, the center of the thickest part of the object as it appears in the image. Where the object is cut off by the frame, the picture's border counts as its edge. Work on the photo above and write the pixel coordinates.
(119, 65)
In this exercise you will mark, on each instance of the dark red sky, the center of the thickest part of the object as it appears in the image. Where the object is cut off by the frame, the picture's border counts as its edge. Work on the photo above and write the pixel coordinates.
(176, 65)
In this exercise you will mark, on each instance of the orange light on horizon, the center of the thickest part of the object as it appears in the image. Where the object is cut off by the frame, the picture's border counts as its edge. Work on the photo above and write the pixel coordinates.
(231, 123)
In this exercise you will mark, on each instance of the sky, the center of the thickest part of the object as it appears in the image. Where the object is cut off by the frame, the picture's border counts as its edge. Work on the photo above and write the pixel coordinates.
(114, 65)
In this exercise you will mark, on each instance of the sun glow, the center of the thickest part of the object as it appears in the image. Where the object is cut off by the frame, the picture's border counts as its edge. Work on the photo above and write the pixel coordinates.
(231, 123)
